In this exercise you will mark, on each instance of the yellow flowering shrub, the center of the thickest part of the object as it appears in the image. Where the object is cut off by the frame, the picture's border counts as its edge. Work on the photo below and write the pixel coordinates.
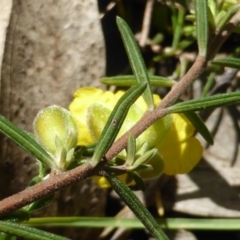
(171, 135)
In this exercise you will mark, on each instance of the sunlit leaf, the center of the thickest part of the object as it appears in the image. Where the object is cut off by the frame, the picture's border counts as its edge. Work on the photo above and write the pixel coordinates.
(206, 224)
(227, 62)
(218, 100)
(130, 80)
(224, 19)
(28, 232)
(136, 60)
(201, 11)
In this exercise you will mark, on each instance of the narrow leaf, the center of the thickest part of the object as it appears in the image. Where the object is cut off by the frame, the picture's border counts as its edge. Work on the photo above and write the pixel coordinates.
(16, 216)
(200, 126)
(27, 232)
(209, 84)
(223, 20)
(115, 121)
(227, 62)
(4, 236)
(39, 203)
(137, 207)
(201, 11)
(131, 150)
(24, 140)
(127, 81)
(206, 224)
(136, 60)
(139, 181)
(206, 102)
(178, 28)
(145, 157)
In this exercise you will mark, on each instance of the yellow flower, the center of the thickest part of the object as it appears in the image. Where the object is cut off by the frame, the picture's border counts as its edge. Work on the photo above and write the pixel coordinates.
(172, 135)
(180, 150)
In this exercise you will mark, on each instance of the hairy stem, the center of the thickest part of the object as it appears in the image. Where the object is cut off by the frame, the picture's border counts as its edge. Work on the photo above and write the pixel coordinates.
(45, 188)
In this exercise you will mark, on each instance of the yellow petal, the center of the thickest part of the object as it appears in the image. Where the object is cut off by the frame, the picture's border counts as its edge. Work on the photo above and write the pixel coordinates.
(107, 99)
(182, 128)
(83, 97)
(103, 182)
(97, 116)
(180, 151)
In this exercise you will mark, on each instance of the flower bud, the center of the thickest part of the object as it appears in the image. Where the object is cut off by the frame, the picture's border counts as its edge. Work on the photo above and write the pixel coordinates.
(57, 132)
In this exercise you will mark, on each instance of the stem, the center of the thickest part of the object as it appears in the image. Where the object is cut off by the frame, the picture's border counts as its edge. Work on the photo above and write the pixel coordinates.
(45, 188)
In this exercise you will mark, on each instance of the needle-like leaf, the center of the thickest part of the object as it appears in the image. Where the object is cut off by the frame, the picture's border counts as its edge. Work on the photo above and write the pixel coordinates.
(206, 102)
(27, 232)
(137, 207)
(136, 60)
(115, 121)
(130, 80)
(25, 141)
(227, 62)
(201, 11)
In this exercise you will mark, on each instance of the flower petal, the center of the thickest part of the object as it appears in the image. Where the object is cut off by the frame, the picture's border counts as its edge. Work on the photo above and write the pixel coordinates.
(180, 151)
(97, 116)
(103, 182)
(183, 127)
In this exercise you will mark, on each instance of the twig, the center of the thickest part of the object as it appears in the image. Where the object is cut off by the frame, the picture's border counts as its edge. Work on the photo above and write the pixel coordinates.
(146, 22)
(109, 7)
(45, 188)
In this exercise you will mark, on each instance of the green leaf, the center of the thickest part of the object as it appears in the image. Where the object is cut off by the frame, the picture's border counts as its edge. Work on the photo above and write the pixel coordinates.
(130, 80)
(206, 224)
(136, 60)
(4, 236)
(139, 181)
(178, 28)
(39, 203)
(136, 206)
(25, 141)
(201, 11)
(227, 62)
(17, 216)
(200, 126)
(131, 150)
(144, 158)
(209, 84)
(224, 19)
(27, 232)
(205, 103)
(115, 121)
